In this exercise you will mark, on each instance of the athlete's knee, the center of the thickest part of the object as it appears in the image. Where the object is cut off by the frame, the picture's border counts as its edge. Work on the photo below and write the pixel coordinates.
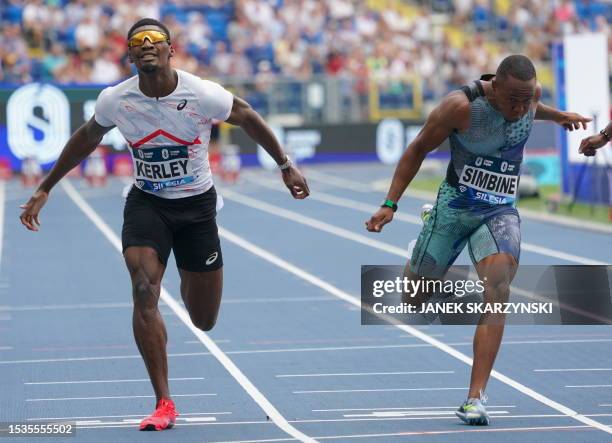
(497, 287)
(145, 293)
(497, 291)
(205, 321)
(497, 272)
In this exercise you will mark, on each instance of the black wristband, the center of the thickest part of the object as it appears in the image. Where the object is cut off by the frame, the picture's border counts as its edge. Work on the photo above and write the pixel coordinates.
(605, 134)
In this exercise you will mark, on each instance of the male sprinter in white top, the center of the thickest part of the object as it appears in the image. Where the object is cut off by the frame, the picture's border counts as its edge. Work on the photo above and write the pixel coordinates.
(165, 115)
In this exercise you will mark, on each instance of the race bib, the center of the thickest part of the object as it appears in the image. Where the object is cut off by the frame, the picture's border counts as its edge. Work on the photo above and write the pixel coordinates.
(490, 179)
(162, 167)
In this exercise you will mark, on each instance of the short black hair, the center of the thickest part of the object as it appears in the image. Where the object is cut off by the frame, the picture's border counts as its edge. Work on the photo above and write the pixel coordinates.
(148, 21)
(517, 66)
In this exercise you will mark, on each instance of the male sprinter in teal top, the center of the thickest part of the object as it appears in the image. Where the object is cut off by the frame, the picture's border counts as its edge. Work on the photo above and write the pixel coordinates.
(487, 124)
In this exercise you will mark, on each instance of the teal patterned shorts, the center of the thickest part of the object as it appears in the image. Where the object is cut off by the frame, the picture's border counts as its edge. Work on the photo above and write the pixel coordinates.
(487, 229)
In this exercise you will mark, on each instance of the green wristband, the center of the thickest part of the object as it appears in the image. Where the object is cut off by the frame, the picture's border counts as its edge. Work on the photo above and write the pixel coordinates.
(389, 204)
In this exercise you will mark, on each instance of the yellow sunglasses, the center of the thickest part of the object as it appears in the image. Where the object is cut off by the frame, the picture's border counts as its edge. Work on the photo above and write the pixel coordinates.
(139, 38)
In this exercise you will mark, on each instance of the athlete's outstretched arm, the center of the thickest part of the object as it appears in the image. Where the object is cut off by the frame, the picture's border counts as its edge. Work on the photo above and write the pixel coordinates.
(253, 124)
(452, 113)
(78, 147)
(569, 120)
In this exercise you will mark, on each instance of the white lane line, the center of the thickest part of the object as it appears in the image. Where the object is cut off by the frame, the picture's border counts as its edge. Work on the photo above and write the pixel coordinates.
(526, 342)
(339, 182)
(117, 416)
(341, 391)
(370, 209)
(333, 348)
(6, 348)
(354, 374)
(588, 386)
(459, 431)
(4, 308)
(2, 198)
(278, 300)
(77, 382)
(423, 413)
(268, 256)
(182, 314)
(413, 345)
(281, 350)
(108, 357)
(313, 223)
(572, 369)
(369, 436)
(80, 423)
(199, 419)
(431, 335)
(417, 418)
(116, 397)
(266, 440)
(452, 408)
(383, 186)
(101, 425)
(606, 404)
(98, 424)
(192, 342)
(65, 307)
(559, 254)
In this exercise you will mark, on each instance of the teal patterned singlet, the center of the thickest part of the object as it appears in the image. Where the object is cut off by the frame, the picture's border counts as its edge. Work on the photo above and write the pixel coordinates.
(486, 158)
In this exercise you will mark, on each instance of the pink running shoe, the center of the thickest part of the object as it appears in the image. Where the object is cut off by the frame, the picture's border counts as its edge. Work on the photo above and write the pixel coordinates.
(164, 417)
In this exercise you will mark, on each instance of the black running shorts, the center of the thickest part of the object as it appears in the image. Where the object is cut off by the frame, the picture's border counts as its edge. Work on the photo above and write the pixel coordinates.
(185, 225)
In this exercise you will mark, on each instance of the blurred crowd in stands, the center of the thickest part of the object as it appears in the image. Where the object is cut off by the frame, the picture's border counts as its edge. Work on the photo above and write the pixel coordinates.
(444, 42)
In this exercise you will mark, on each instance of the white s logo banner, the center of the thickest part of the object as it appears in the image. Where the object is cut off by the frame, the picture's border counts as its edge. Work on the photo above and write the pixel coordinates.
(37, 109)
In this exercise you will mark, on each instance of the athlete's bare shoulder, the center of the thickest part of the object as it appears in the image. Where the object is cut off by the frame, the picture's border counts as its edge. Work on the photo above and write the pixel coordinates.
(454, 110)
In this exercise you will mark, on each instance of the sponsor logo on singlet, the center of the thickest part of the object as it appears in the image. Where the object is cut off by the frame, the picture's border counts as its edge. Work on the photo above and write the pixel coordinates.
(162, 167)
(490, 179)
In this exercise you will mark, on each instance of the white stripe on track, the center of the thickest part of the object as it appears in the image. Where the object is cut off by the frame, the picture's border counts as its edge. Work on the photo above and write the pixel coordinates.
(391, 249)
(6, 308)
(313, 223)
(371, 209)
(79, 382)
(452, 408)
(281, 350)
(227, 363)
(349, 391)
(351, 374)
(316, 281)
(94, 417)
(118, 397)
(383, 186)
(572, 369)
(406, 434)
